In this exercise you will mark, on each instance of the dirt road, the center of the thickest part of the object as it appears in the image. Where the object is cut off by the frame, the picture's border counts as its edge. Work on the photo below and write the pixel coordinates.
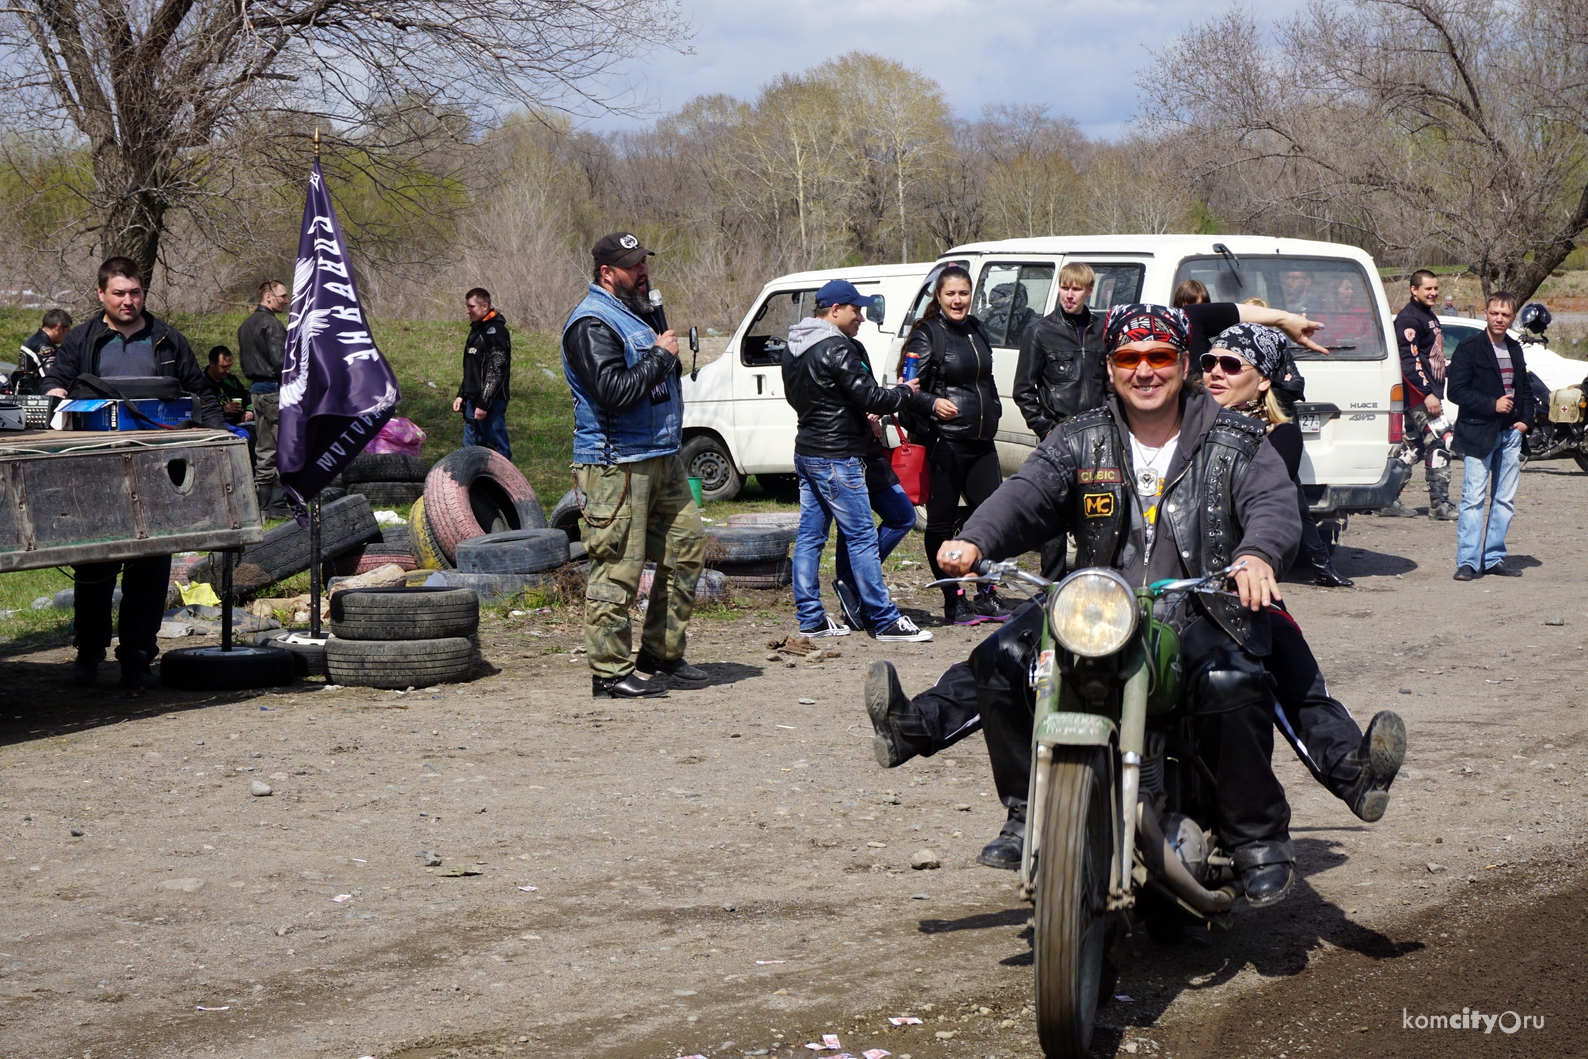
(725, 871)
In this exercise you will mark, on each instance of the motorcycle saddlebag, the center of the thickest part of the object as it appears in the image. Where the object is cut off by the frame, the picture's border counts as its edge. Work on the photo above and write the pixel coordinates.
(1565, 406)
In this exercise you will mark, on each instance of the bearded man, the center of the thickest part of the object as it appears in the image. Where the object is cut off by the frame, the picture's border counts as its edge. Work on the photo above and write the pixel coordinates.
(628, 413)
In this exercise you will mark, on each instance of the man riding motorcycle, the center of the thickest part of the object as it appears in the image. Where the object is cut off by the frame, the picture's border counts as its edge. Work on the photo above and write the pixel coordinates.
(1158, 483)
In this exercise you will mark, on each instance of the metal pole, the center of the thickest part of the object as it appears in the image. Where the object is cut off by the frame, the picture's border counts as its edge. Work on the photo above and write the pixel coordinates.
(228, 560)
(314, 567)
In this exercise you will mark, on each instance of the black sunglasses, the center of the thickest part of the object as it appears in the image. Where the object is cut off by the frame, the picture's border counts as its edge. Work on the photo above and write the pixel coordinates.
(1231, 365)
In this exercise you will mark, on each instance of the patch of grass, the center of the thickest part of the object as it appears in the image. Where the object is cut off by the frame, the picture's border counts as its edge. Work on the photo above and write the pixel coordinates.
(22, 627)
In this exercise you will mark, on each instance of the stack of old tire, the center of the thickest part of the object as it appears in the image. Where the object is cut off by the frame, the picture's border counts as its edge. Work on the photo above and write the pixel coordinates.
(754, 555)
(388, 479)
(402, 637)
(480, 525)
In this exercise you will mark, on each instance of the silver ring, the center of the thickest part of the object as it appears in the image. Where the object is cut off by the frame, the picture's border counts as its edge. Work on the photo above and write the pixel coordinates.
(955, 555)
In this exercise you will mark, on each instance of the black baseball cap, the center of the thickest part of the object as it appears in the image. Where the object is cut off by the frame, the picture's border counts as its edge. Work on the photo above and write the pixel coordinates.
(622, 249)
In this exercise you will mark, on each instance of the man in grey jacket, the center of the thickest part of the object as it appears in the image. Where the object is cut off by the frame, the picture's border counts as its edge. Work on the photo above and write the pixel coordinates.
(1140, 481)
(262, 346)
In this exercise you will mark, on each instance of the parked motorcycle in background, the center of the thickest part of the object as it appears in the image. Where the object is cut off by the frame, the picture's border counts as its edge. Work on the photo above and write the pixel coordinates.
(1560, 428)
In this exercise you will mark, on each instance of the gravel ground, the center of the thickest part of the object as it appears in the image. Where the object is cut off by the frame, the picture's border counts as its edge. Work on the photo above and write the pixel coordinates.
(726, 871)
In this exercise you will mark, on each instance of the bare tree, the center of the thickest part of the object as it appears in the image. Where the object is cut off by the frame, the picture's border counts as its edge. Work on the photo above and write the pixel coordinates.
(1448, 125)
(175, 101)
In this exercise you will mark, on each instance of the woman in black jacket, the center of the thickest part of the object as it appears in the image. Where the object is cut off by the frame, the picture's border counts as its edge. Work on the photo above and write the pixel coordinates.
(956, 363)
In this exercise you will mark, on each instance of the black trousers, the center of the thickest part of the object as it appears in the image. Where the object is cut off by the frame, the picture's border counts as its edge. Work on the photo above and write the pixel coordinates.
(143, 589)
(958, 467)
(990, 693)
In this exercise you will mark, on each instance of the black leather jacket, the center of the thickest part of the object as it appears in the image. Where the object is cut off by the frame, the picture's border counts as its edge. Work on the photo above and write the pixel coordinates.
(173, 359)
(1062, 370)
(595, 351)
(830, 386)
(1228, 495)
(957, 363)
(261, 346)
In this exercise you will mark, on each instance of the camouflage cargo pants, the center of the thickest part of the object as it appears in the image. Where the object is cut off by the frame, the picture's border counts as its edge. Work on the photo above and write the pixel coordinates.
(634, 513)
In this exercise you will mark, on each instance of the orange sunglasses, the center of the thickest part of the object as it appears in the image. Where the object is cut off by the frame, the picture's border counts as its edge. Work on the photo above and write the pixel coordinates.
(1157, 358)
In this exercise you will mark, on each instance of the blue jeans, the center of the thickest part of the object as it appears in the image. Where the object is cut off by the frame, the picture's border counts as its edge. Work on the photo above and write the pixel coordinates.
(1476, 546)
(490, 431)
(835, 491)
(898, 519)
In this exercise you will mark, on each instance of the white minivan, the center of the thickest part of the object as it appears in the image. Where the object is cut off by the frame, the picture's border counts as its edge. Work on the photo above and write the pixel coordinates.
(737, 423)
(736, 420)
(1352, 418)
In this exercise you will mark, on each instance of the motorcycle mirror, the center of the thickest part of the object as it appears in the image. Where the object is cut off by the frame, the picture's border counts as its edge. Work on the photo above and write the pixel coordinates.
(694, 349)
(694, 339)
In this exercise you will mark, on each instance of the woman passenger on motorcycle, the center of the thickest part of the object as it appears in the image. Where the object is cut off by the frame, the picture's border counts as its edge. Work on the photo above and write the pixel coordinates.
(1238, 373)
(956, 363)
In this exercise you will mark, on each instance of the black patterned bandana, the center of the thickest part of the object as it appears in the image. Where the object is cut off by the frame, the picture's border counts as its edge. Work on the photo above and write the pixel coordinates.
(1261, 347)
(1146, 323)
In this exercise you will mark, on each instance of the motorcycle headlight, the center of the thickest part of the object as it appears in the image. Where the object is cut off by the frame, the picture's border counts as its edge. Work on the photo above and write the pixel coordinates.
(1092, 613)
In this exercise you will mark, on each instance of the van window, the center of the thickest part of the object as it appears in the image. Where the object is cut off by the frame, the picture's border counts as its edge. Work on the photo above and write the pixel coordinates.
(1454, 335)
(923, 297)
(1010, 298)
(767, 336)
(1116, 285)
(1333, 290)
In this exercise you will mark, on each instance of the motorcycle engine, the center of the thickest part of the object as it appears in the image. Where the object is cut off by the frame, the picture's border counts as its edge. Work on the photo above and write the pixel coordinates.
(1185, 837)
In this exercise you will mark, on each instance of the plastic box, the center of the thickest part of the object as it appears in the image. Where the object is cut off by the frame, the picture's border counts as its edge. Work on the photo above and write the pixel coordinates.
(106, 414)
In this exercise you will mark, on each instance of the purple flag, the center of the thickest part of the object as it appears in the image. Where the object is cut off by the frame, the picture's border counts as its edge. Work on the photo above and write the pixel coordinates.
(337, 390)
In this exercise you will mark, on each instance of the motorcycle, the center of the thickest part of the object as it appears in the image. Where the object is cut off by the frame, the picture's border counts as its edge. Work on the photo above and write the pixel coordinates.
(1560, 426)
(1121, 810)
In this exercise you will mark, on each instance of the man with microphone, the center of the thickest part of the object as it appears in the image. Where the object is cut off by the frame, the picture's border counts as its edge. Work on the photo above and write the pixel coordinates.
(633, 489)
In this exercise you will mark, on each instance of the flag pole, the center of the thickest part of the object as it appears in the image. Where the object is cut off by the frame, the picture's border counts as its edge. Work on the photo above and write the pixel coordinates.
(314, 514)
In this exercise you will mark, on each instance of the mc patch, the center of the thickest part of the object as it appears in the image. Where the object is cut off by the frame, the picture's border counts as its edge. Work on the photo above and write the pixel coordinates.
(1097, 505)
(1098, 475)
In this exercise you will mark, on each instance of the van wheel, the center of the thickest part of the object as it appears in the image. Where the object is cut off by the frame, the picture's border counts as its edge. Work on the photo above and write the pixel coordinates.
(706, 457)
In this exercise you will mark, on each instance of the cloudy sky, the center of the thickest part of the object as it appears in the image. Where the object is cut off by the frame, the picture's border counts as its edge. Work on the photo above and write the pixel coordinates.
(1079, 57)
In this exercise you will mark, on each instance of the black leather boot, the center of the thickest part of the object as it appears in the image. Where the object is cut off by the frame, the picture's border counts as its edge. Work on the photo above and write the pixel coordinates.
(678, 670)
(1006, 850)
(1324, 573)
(632, 686)
(1378, 760)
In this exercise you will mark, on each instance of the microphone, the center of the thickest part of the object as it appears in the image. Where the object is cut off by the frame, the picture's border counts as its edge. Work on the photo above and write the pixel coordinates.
(658, 314)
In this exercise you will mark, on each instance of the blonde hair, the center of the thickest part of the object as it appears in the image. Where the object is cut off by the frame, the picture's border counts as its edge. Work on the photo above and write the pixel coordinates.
(1275, 410)
(1257, 302)
(1077, 274)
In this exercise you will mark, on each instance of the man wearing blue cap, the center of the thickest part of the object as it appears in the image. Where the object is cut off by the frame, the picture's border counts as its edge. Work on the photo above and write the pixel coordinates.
(829, 382)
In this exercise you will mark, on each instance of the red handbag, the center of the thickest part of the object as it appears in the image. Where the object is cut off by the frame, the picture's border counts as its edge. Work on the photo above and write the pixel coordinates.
(909, 464)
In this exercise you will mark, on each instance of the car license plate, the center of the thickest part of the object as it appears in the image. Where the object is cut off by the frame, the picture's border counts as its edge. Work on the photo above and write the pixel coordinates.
(1310, 422)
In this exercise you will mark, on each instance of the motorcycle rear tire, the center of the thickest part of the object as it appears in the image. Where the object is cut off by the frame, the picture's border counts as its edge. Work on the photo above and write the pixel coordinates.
(1071, 922)
(1582, 461)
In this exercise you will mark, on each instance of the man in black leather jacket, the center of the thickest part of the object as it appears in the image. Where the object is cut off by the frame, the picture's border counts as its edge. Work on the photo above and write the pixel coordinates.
(828, 381)
(122, 341)
(261, 351)
(1145, 483)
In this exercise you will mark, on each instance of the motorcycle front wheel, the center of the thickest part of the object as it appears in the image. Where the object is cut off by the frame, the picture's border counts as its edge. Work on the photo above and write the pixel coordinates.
(1071, 901)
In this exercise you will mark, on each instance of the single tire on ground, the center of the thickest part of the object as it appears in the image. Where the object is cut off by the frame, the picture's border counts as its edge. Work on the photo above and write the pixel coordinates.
(565, 516)
(1070, 925)
(404, 613)
(475, 491)
(344, 524)
(398, 664)
(492, 589)
(389, 494)
(427, 551)
(367, 557)
(746, 544)
(763, 574)
(211, 669)
(385, 467)
(707, 458)
(517, 552)
(783, 520)
(332, 492)
(309, 657)
(396, 537)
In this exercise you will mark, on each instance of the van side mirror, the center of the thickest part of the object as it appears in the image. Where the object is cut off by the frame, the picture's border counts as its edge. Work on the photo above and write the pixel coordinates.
(694, 349)
(877, 309)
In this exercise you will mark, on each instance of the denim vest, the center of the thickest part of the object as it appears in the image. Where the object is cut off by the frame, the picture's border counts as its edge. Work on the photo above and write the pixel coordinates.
(651, 427)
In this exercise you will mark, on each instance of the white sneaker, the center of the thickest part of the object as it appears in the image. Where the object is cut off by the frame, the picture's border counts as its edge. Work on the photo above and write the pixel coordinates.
(833, 629)
(903, 631)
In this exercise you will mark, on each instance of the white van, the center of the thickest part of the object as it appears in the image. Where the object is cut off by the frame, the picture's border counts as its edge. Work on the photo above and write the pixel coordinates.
(736, 421)
(1352, 418)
